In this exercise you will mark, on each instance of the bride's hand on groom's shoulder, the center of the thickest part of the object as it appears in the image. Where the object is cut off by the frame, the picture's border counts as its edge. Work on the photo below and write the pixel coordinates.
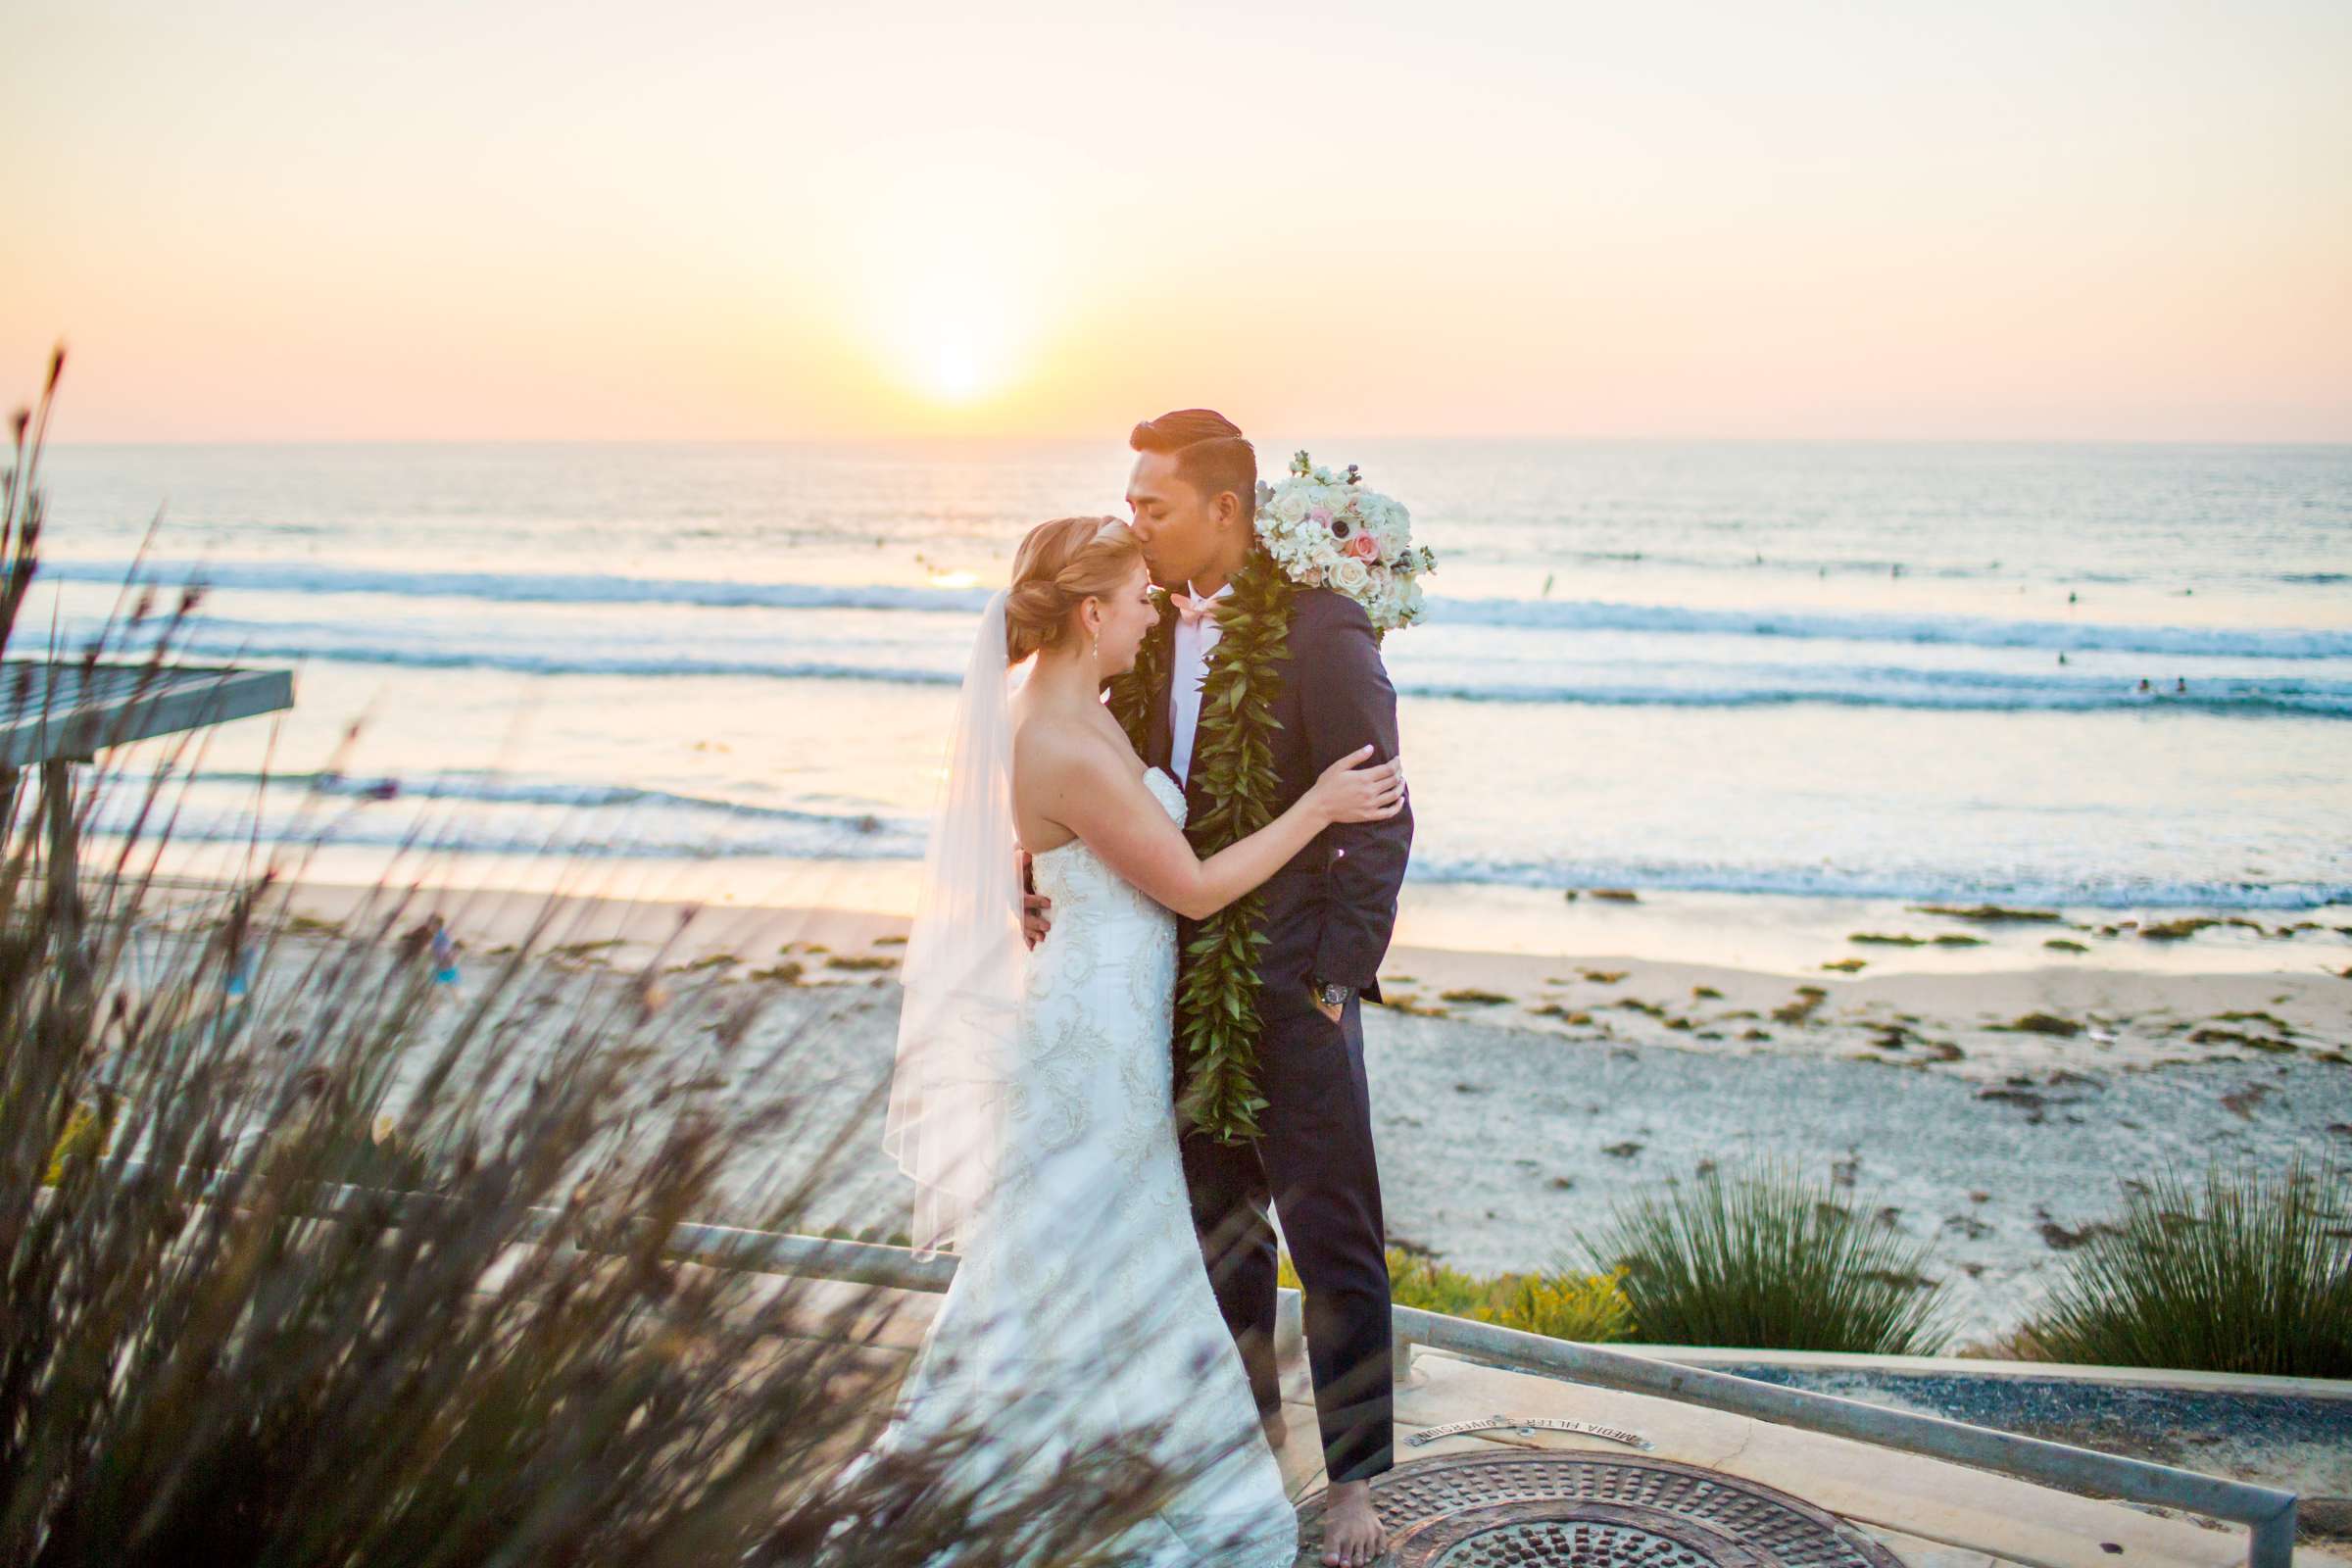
(1355, 788)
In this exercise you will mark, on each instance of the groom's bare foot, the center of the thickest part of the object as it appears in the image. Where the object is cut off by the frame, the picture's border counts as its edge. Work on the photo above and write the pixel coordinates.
(1352, 1533)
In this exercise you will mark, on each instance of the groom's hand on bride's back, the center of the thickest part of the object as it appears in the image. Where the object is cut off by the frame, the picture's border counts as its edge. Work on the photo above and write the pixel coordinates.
(1036, 921)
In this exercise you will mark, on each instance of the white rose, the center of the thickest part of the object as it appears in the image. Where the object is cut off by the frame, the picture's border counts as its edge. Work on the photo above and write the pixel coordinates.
(1350, 576)
(1290, 507)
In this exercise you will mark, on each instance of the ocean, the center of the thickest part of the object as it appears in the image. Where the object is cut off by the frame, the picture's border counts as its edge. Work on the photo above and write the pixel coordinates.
(1853, 670)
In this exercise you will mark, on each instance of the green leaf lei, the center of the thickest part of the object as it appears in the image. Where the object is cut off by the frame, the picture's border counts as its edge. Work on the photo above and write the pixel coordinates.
(1233, 759)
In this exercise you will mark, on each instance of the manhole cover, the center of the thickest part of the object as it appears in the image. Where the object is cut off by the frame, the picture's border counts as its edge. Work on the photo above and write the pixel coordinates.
(1595, 1510)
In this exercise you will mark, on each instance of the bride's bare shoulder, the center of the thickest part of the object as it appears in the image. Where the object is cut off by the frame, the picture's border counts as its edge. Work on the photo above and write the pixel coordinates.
(1053, 747)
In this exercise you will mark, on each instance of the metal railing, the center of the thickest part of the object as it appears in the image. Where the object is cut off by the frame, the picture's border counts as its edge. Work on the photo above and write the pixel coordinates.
(2268, 1512)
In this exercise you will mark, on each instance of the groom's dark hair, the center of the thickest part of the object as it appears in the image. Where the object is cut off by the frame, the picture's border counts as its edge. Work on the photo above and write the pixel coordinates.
(1213, 456)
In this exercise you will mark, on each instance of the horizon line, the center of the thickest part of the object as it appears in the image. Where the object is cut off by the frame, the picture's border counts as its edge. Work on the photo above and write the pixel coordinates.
(54, 442)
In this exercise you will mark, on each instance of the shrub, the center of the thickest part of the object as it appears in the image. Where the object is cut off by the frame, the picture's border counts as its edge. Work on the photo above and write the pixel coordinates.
(1760, 1258)
(1563, 1304)
(2231, 1273)
(1590, 1307)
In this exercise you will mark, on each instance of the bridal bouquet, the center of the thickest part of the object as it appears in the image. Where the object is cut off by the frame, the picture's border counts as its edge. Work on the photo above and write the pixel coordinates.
(1327, 530)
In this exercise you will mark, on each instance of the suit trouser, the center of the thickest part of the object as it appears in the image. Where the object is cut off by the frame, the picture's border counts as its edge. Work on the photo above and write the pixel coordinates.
(1313, 1163)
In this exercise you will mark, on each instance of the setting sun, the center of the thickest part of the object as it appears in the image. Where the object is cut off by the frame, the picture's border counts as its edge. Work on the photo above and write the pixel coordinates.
(947, 337)
(955, 373)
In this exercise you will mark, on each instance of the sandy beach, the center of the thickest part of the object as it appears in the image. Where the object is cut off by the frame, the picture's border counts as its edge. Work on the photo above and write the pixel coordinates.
(2000, 1112)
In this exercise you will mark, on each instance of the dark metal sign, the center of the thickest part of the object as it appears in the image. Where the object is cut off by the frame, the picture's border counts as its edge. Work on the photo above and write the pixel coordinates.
(1528, 1427)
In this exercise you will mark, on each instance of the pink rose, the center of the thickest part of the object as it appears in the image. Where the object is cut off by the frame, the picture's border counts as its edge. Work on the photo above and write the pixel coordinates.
(1364, 547)
(1320, 516)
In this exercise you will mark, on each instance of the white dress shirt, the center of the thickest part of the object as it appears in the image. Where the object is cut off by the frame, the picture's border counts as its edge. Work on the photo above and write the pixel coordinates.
(1191, 653)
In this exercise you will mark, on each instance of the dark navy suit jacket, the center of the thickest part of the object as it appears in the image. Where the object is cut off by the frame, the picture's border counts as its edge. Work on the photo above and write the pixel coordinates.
(1328, 911)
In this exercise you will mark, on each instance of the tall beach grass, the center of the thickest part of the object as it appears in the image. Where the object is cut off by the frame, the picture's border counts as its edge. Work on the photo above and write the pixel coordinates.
(2224, 1272)
(1760, 1256)
(310, 1259)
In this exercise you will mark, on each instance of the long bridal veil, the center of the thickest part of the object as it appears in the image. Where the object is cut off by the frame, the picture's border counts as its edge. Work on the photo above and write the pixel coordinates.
(965, 960)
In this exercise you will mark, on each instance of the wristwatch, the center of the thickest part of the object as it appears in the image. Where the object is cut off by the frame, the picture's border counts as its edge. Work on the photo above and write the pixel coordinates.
(1332, 994)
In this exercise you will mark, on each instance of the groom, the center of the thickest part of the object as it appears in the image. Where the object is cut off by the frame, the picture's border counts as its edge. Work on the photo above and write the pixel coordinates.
(1326, 916)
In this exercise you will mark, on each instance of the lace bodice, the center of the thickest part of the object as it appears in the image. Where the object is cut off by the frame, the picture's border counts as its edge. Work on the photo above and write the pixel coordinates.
(1109, 945)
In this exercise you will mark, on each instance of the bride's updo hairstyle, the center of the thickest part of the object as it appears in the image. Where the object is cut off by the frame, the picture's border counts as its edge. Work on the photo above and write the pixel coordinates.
(1060, 565)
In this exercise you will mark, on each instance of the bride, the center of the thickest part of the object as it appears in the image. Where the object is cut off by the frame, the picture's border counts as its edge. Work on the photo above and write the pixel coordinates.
(1032, 1102)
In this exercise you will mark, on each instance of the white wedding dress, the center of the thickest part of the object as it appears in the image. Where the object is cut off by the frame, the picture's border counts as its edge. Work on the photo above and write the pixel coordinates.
(1081, 1312)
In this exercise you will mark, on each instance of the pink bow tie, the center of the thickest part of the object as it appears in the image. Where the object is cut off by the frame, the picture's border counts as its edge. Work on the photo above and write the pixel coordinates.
(1192, 609)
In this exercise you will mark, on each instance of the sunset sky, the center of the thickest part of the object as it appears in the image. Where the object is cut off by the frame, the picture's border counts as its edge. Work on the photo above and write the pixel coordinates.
(490, 220)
